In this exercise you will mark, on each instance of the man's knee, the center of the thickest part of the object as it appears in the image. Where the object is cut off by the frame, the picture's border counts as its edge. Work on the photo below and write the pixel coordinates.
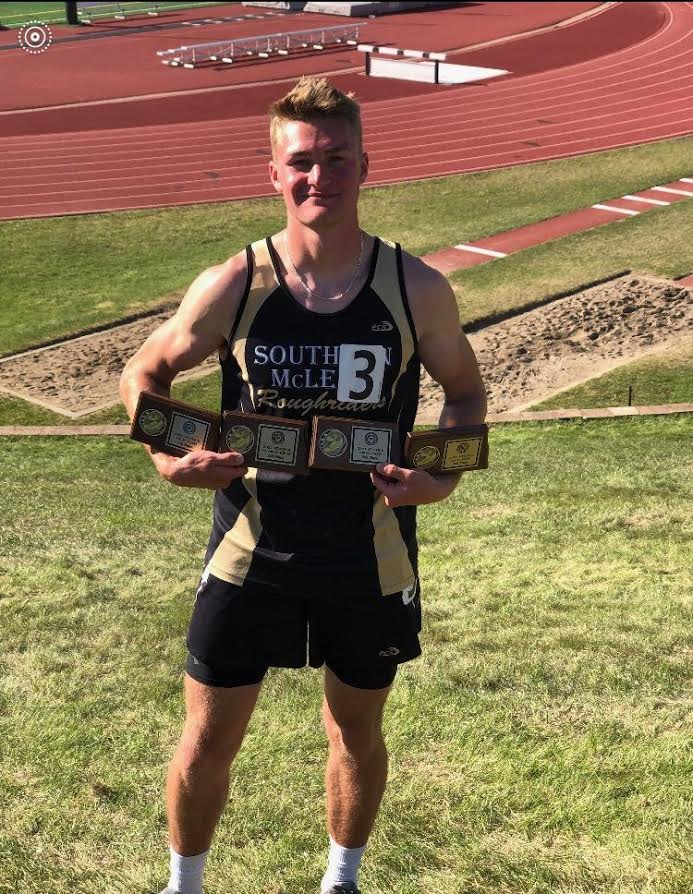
(215, 726)
(203, 750)
(354, 735)
(353, 718)
(358, 741)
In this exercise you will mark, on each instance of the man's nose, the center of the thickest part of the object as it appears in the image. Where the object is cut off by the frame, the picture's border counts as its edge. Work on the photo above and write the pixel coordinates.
(317, 174)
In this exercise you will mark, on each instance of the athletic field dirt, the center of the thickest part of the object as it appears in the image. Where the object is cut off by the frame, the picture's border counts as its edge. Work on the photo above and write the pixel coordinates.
(523, 359)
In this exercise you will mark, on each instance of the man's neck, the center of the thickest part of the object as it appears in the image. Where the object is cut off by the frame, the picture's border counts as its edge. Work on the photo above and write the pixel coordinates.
(332, 251)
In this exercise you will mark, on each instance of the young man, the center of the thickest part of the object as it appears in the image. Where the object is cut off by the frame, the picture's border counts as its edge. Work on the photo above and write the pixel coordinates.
(319, 319)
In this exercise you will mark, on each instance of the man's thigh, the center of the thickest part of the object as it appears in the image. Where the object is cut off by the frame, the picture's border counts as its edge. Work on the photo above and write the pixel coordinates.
(358, 710)
(217, 716)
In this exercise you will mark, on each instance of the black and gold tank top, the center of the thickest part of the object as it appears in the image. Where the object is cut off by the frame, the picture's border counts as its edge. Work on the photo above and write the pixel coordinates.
(327, 532)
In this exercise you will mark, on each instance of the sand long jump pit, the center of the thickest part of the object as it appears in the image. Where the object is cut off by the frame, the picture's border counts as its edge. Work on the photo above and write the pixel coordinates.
(523, 359)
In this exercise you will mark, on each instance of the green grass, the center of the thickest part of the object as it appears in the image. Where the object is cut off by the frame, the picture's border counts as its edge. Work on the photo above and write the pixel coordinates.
(66, 274)
(541, 743)
(18, 14)
(665, 377)
(14, 15)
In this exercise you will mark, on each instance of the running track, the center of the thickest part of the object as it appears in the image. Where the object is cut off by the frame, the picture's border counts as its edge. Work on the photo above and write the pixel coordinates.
(639, 93)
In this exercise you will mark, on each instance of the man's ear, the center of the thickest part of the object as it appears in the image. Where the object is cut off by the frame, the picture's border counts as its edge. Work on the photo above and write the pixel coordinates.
(274, 176)
(364, 167)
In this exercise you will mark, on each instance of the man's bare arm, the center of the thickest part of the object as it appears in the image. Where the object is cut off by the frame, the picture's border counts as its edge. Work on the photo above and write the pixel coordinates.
(199, 327)
(445, 350)
(448, 357)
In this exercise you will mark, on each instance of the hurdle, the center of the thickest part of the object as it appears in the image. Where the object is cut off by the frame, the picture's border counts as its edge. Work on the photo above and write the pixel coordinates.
(421, 65)
(261, 46)
(402, 68)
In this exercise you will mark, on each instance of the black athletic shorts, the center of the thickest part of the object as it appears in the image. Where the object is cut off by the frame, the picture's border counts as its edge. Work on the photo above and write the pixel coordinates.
(237, 633)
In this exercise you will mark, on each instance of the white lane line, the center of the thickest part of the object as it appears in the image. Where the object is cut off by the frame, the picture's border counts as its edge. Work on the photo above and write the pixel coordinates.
(676, 192)
(617, 210)
(647, 201)
(481, 251)
(686, 179)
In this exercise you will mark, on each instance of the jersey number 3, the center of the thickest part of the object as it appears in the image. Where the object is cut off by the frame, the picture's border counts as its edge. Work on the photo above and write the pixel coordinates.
(361, 373)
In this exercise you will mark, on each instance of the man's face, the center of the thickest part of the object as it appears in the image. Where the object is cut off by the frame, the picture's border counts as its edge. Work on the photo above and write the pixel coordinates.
(318, 167)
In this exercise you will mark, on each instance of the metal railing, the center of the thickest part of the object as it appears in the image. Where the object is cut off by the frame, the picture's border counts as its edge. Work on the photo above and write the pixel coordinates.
(87, 12)
(261, 46)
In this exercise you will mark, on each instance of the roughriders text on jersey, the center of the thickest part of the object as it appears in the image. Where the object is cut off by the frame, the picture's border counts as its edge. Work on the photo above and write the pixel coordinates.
(269, 397)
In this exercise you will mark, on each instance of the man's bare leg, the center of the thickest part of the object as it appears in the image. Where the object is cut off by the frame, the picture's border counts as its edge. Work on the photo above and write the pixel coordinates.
(356, 772)
(198, 777)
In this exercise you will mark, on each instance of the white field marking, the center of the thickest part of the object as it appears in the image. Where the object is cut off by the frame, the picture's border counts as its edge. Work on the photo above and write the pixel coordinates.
(647, 201)
(617, 210)
(676, 192)
(481, 251)
(686, 179)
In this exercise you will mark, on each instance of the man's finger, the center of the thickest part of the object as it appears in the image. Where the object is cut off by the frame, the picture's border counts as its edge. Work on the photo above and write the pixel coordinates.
(383, 484)
(390, 470)
(232, 458)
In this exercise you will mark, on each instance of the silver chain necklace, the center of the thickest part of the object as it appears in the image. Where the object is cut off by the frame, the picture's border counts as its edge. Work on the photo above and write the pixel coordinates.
(310, 292)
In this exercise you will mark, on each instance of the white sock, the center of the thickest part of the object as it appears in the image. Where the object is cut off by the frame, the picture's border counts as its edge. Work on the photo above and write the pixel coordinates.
(186, 873)
(342, 866)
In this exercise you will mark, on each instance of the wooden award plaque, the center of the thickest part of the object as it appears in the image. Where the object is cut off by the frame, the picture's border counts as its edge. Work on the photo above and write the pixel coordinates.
(174, 427)
(353, 445)
(448, 450)
(266, 442)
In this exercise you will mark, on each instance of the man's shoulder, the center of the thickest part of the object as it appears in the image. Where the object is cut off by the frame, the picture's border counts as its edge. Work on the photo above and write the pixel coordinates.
(417, 268)
(430, 296)
(226, 277)
(424, 283)
(216, 293)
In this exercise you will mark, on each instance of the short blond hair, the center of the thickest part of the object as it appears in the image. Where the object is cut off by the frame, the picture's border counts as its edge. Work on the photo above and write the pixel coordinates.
(313, 98)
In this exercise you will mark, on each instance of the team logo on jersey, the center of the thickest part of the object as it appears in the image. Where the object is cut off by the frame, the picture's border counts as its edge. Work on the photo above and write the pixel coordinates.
(152, 422)
(333, 442)
(386, 653)
(385, 326)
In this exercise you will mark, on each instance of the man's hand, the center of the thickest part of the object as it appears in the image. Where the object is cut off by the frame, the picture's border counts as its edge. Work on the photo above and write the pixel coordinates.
(201, 468)
(411, 487)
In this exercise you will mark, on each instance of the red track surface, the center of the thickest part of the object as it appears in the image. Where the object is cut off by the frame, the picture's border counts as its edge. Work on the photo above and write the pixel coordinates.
(638, 88)
(122, 62)
(511, 241)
